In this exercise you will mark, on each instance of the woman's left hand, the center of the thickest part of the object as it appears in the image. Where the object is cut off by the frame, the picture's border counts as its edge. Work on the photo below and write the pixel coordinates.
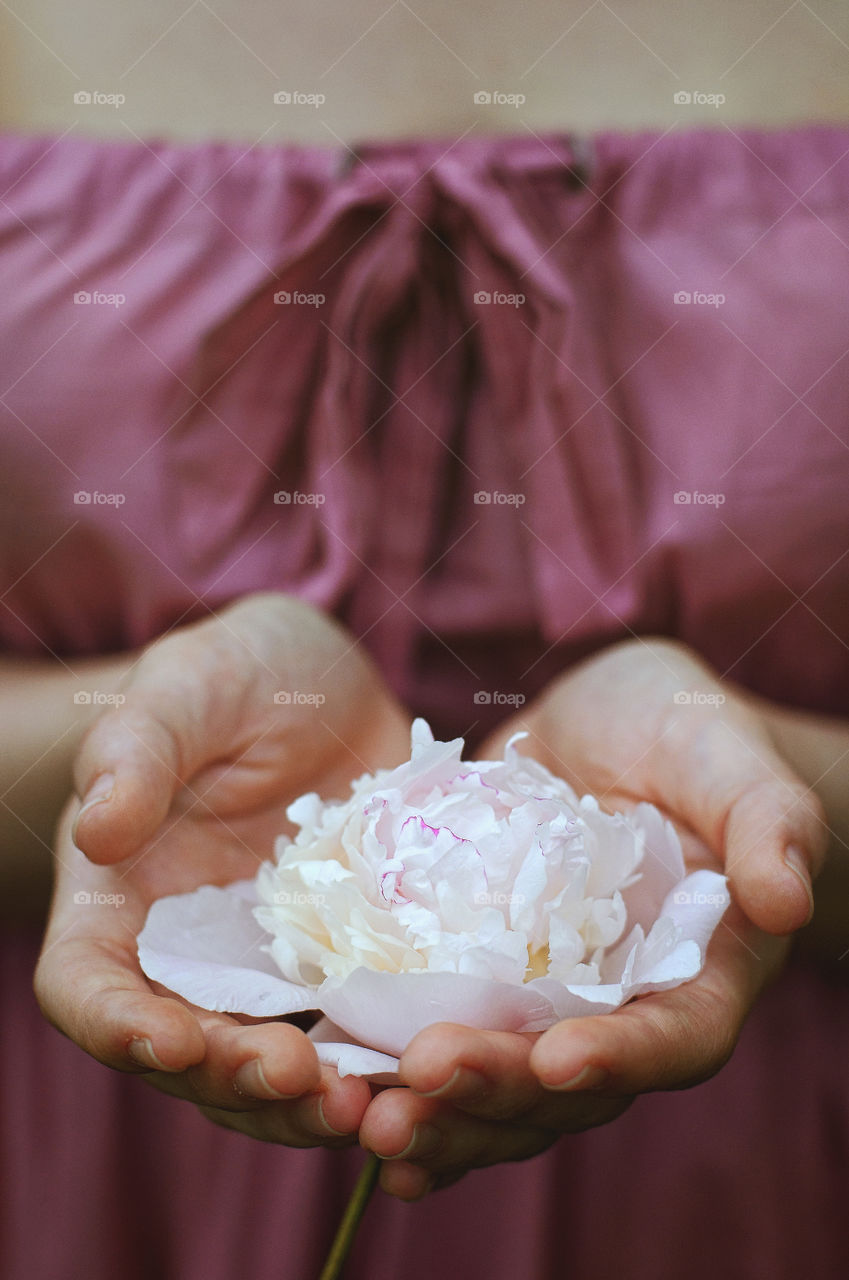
(617, 726)
(482, 1097)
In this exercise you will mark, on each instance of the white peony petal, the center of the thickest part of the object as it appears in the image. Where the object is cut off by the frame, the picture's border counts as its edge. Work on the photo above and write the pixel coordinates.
(679, 965)
(662, 867)
(387, 1009)
(336, 1049)
(421, 734)
(575, 1001)
(354, 1060)
(431, 894)
(207, 947)
(306, 811)
(697, 904)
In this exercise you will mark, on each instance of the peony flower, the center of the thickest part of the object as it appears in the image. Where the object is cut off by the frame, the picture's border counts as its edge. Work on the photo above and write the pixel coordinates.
(478, 892)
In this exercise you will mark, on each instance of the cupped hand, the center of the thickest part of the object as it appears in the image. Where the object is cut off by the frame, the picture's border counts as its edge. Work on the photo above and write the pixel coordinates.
(649, 720)
(223, 724)
(642, 721)
(477, 1098)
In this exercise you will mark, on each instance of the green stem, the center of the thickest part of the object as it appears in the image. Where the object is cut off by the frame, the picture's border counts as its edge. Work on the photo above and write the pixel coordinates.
(357, 1206)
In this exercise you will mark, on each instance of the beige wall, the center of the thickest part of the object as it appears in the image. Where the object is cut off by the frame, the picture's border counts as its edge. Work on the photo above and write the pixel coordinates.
(210, 70)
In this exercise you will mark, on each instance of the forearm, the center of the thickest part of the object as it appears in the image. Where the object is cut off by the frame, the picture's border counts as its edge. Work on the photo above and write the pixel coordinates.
(42, 727)
(817, 747)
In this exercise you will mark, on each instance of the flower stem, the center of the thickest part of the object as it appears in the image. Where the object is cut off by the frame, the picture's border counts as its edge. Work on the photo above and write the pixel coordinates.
(357, 1206)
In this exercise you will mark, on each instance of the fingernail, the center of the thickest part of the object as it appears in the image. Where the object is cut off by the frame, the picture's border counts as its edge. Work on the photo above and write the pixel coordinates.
(795, 860)
(250, 1080)
(141, 1051)
(426, 1140)
(336, 1133)
(100, 790)
(426, 1188)
(464, 1083)
(423, 1182)
(589, 1078)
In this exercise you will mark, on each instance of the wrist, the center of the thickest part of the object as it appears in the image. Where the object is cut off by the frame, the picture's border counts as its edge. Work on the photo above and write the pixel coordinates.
(51, 705)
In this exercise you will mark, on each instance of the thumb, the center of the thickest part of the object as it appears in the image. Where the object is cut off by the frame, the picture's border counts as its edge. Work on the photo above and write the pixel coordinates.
(671, 1039)
(135, 758)
(744, 800)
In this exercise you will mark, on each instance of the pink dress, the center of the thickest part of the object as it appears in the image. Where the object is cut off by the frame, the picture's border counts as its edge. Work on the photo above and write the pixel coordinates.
(495, 404)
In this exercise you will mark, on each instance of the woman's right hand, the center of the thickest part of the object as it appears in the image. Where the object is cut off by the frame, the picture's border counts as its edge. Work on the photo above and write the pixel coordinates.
(187, 783)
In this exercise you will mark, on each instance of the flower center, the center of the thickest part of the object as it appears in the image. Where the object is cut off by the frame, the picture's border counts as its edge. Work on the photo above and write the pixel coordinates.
(537, 963)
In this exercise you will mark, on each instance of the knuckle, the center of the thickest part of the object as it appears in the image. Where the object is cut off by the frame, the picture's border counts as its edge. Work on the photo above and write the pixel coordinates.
(225, 1119)
(757, 799)
(789, 801)
(43, 989)
(588, 1113)
(94, 1032)
(500, 1106)
(708, 1024)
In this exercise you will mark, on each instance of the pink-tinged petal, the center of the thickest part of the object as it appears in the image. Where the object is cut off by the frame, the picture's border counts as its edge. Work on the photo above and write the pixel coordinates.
(661, 869)
(698, 904)
(680, 965)
(334, 1048)
(207, 947)
(387, 1009)
(617, 963)
(575, 1001)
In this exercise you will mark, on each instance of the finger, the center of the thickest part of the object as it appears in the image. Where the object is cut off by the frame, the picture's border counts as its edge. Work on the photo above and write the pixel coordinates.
(775, 843)
(400, 1125)
(669, 1040)
(487, 1074)
(246, 1067)
(99, 1001)
(329, 1116)
(407, 1182)
(250, 1068)
(410, 1182)
(484, 1072)
(177, 715)
(743, 800)
(92, 991)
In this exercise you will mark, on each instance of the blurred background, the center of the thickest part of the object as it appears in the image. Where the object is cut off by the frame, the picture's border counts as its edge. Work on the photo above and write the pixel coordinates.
(201, 70)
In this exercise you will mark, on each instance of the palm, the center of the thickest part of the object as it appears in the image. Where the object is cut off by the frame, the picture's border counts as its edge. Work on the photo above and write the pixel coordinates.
(636, 722)
(235, 754)
(207, 759)
(221, 828)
